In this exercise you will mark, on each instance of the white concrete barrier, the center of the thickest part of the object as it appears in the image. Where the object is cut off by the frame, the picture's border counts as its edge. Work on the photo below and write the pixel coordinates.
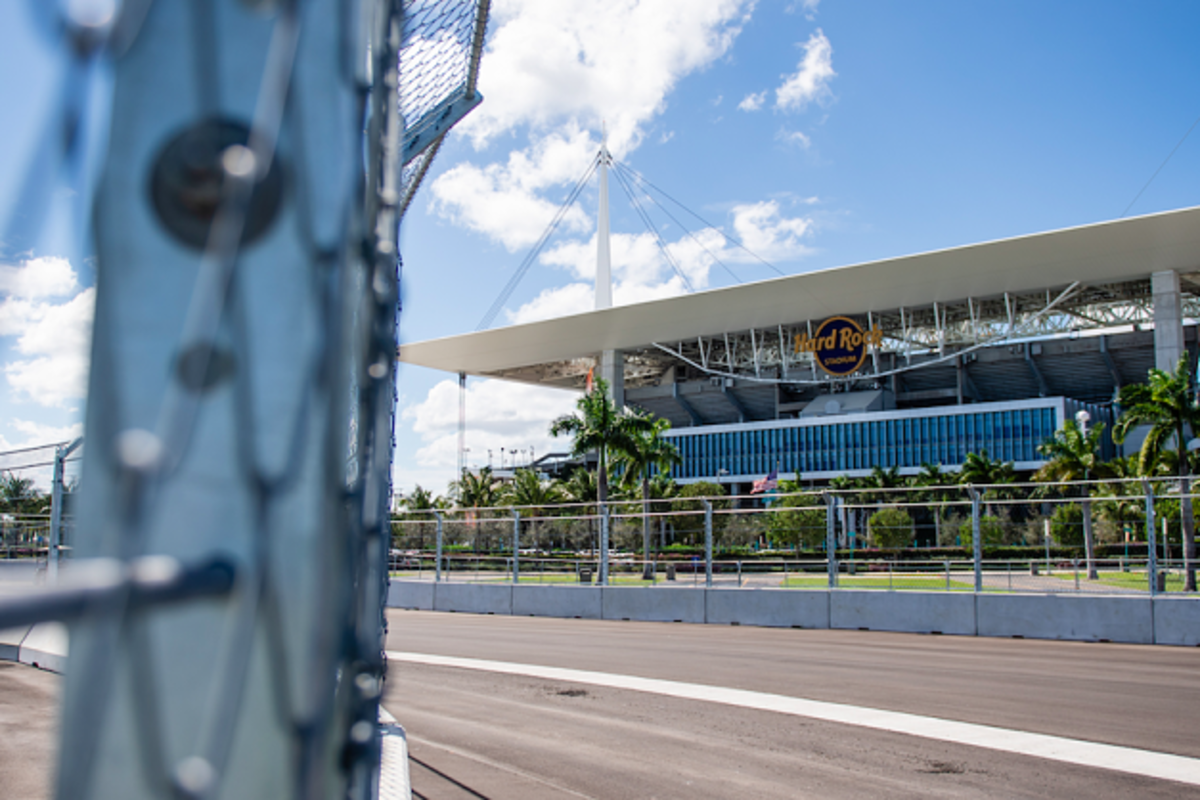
(415, 595)
(653, 604)
(583, 602)
(1177, 620)
(771, 608)
(10, 643)
(1075, 617)
(905, 612)
(473, 598)
(45, 646)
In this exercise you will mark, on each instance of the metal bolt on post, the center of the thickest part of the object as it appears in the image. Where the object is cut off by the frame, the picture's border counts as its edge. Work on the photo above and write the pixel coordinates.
(976, 539)
(831, 540)
(1151, 545)
(516, 546)
(437, 566)
(708, 543)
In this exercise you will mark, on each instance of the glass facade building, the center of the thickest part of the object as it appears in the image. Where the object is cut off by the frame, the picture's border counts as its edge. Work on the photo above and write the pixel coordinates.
(824, 447)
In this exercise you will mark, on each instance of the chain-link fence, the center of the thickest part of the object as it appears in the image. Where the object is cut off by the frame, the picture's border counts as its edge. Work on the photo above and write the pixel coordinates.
(37, 495)
(1094, 537)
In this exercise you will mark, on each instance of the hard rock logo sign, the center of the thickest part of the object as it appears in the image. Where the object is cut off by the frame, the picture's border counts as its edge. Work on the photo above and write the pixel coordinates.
(839, 345)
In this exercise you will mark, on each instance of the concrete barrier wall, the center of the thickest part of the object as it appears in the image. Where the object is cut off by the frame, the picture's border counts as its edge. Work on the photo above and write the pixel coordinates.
(1075, 617)
(10, 643)
(1177, 620)
(906, 612)
(770, 608)
(583, 602)
(45, 646)
(410, 594)
(1165, 620)
(474, 598)
(653, 604)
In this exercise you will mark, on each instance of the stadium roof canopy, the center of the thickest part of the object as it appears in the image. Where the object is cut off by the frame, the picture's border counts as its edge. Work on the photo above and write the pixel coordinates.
(1092, 276)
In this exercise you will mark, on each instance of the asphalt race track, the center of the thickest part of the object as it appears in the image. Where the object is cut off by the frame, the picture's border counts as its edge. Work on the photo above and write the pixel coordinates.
(479, 733)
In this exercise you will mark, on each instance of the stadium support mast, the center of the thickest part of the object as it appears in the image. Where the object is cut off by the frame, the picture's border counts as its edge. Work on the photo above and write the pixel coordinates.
(612, 367)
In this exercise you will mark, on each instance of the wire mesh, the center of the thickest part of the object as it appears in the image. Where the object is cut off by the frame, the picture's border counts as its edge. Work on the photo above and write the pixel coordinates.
(242, 386)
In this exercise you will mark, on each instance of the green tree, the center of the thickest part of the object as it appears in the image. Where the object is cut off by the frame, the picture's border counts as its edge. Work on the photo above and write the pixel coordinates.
(991, 531)
(477, 490)
(1074, 455)
(533, 493)
(979, 469)
(650, 450)
(1166, 404)
(603, 428)
(688, 501)
(890, 527)
(419, 507)
(1125, 504)
(796, 519)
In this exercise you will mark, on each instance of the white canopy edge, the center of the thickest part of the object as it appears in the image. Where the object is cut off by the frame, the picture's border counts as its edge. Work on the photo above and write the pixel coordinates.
(1106, 252)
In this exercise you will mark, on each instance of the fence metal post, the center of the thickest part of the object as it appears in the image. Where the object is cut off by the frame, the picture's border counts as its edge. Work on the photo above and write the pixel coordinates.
(56, 507)
(708, 516)
(604, 544)
(1151, 545)
(947, 563)
(516, 546)
(976, 539)
(437, 564)
(831, 540)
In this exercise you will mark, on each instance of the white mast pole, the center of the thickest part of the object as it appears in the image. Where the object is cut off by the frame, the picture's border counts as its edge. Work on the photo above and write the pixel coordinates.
(603, 255)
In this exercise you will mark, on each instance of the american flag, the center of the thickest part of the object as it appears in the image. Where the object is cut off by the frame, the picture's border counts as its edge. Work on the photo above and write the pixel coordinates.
(768, 483)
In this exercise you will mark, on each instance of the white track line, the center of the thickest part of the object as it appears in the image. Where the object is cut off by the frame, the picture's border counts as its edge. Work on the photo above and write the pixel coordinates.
(1055, 748)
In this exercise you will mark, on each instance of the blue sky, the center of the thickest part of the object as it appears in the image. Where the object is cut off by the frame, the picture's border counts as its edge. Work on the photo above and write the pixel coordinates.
(824, 133)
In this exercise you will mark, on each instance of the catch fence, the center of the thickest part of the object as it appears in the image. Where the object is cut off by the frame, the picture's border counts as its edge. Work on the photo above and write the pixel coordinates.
(1088, 537)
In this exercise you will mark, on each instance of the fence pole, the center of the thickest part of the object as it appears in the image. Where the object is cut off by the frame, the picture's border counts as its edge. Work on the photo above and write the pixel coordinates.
(604, 544)
(708, 516)
(516, 546)
(56, 507)
(437, 568)
(1152, 556)
(976, 539)
(831, 540)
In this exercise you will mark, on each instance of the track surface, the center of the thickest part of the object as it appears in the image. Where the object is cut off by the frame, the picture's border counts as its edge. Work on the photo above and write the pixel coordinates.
(480, 734)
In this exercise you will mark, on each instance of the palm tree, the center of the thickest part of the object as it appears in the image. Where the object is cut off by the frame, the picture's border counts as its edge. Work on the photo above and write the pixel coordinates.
(580, 487)
(933, 481)
(419, 506)
(1167, 404)
(603, 428)
(477, 490)
(1074, 455)
(979, 469)
(529, 490)
(650, 451)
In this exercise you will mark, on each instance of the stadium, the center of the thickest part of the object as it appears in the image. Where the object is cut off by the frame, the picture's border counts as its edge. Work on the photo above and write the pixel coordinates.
(894, 363)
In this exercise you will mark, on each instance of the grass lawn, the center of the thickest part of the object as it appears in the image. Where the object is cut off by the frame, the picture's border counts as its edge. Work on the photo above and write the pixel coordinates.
(902, 581)
(1139, 581)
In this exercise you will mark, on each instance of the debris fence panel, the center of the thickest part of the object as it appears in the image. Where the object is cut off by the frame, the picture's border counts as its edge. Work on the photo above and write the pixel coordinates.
(1031, 538)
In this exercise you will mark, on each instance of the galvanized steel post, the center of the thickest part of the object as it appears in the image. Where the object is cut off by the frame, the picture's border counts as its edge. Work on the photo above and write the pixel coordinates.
(437, 569)
(976, 539)
(56, 503)
(708, 544)
(830, 540)
(516, 546)
(604, 544)
(1152, 556)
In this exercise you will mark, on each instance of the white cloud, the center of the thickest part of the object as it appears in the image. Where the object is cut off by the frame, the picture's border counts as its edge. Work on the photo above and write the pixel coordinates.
(502, 202)
(811, 80)
(809, 7)
(753, 102)
(595, 60)
(797, 138)
(51, 319)
(38, 278)
(500, 414)
(767, 233)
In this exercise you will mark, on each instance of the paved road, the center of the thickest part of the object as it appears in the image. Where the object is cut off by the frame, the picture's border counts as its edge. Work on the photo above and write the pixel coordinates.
(482, 734)
(28, 731)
